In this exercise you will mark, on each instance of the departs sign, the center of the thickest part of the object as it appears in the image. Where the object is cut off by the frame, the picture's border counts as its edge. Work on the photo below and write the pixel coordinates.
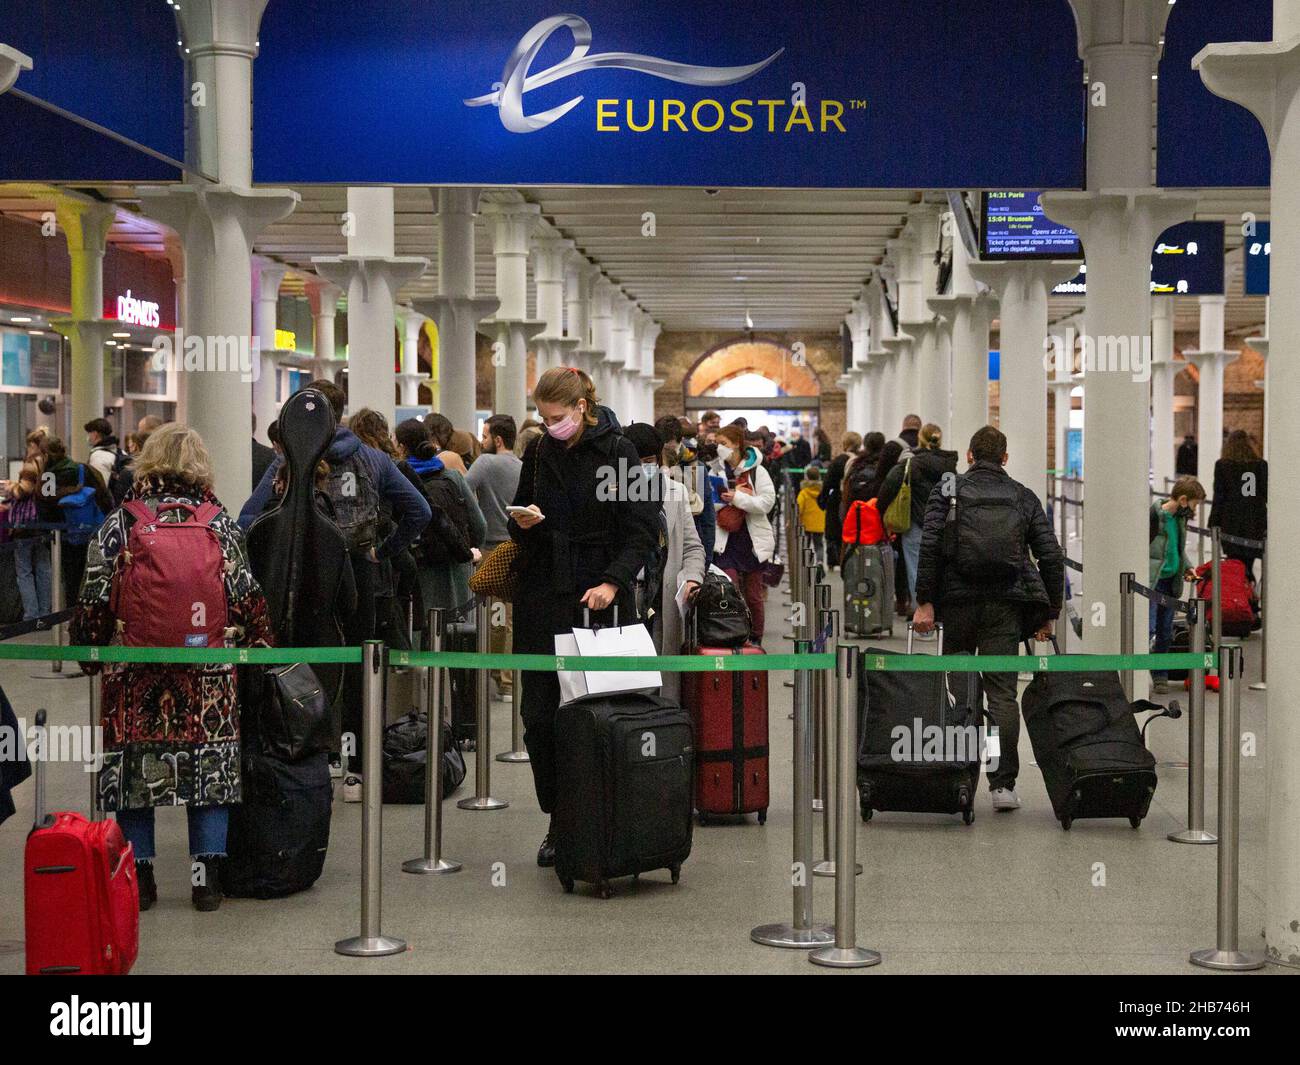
(927, 94)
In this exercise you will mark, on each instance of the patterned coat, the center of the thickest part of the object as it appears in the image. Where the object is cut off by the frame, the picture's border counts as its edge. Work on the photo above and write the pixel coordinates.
(171, 733)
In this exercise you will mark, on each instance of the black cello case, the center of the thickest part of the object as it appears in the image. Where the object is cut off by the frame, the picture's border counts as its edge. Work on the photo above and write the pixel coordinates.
(279, 834)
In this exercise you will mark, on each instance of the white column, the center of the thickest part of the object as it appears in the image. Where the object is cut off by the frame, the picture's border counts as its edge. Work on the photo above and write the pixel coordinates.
(410, 379)
(372, 275)
(550, 251)
(85, 224)
(616, 359)
(1022, 289)
(1118, 221)
(456, 308)
(577, 289)
(1163, 371)
(1210, 359)
(1265, 79)
(511, 329)
(267, 276)
(175, 252)
(650, 381)
(880, 399)
(323, 298)
(602, 333)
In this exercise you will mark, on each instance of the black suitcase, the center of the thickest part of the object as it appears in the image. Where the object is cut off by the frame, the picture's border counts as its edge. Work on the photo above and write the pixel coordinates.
(462, 636)
(624, 780)
(909, 772)
(1088, 746)
(279, 834)
(868, 586)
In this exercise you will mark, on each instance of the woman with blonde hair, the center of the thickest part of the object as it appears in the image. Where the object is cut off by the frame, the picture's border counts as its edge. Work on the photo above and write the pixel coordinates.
(922, 471)
(582, 544)
(171, 733)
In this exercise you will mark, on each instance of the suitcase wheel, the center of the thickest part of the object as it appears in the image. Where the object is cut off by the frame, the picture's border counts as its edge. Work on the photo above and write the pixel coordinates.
(866, 810)
(968, 816)
(762, 817)
(676, 871)
(703, 817)
(1066, 822)
(568, 886)
(1136, 822)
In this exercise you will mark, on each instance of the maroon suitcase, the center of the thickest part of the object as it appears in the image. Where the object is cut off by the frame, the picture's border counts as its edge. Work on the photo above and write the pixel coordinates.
(731, 755)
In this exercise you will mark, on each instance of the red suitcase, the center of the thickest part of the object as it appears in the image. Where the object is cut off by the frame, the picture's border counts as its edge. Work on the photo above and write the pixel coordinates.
(731, 756)
(82, 900)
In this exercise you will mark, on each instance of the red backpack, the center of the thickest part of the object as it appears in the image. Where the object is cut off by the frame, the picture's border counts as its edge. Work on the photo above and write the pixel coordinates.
(862, 523)
(1236, 596)
(169, 588)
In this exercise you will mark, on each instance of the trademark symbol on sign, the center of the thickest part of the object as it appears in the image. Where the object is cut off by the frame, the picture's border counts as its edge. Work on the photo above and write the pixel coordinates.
(857, 105)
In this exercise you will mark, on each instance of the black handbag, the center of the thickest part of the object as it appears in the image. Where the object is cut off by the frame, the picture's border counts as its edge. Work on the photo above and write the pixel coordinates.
(719, 615)
(286, 709)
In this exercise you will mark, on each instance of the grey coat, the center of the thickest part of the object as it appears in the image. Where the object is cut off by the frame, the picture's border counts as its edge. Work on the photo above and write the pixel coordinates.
(446, 584)
(685, 557)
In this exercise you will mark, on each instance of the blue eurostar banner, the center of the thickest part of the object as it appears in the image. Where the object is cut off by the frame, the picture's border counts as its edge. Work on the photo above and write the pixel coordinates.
(760, 93)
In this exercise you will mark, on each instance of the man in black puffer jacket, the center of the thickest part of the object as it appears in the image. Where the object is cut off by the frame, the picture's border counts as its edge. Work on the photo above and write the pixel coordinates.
(991, 565)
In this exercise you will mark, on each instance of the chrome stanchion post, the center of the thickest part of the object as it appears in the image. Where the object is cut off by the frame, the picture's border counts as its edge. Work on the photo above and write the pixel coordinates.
(1195, 831)
(1216, 591)
(482, 797)
(1200, 540)
(828, 623)
(517, 752)
(807, 630)
(1225, 954)
(57, 604)
(435, 631)
(372, 942)
(800, 933)
(1126, 628)
(1261, 685)
(845, 952)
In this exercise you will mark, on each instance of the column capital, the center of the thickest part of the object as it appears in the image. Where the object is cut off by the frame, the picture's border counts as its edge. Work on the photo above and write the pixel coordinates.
(1009, 279)
(1260, 76)
(1259, 344)
(370, 270)
(182, 207)
(512, 225)
(458, 308)
(228, 28)
(92, 331)
(12, 63)
(1137, 24)
(85, 223)
(1128, 219)
(322, 296)
(267, 275)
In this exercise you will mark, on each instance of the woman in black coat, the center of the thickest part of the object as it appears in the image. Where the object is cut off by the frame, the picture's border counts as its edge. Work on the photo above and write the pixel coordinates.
(581, 548)
(1240, 506)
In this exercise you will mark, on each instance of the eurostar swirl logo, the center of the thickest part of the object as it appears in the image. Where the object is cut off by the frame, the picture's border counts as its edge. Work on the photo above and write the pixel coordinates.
(508, 94)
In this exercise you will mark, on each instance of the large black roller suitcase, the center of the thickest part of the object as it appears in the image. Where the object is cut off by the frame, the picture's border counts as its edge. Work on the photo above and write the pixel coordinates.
(624, 783)
(918, 739)
(462, 636)
(1089, 747)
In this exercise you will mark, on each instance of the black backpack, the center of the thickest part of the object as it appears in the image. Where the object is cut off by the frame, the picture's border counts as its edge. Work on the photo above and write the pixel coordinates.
(719, 614)
(861, 479)
(122, 476)
(984, 538)
(447, 536)
(356, 502)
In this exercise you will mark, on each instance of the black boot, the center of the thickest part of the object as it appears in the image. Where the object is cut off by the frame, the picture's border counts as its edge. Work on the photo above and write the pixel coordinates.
(148, 887)
(206, 895)
(546, 852)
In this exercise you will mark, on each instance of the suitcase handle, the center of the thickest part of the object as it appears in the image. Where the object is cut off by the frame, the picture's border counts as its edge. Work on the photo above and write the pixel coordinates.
(1029, 647)
(40, 818)
(586, 617)
(938, 627)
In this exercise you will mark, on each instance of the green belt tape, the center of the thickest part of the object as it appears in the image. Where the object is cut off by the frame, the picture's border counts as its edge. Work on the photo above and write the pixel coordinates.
(891, 663)
(190, 656)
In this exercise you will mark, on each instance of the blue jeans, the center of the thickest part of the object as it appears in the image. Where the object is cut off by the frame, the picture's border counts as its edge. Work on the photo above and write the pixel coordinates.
(32, 561)
(911, 541)
(207, 830)
(1162, 622)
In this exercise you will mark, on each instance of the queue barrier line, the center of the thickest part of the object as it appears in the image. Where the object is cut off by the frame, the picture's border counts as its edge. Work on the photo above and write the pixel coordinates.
(888, 663)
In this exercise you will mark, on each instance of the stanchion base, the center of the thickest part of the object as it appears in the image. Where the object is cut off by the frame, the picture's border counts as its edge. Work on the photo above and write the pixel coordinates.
(827, 868)
(1192, 835)
(1259, 686)
(370, 946)
(845, 957)
(78, 675)
(513, 756)
(1236, 960)
(1171, 765)
(486, 803)
(818, 806)
(431, 865)
(786, 935)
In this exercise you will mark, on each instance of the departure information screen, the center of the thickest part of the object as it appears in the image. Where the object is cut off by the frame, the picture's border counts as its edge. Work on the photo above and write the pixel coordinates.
(1016, 228)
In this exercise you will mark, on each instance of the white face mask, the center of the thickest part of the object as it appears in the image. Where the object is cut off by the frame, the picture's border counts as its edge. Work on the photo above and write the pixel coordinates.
(725, 453)
(650, 467)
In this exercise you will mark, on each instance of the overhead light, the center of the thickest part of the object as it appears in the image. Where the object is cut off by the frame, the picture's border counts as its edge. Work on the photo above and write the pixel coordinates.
(740, 277)
(20, 320)
(111, 343)
(124, 336)
(36, 332)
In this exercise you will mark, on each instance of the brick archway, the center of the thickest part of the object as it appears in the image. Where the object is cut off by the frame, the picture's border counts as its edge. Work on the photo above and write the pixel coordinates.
(745, 354)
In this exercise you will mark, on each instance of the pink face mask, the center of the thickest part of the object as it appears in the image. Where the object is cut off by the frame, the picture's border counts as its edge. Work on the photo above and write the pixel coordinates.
(565, 429)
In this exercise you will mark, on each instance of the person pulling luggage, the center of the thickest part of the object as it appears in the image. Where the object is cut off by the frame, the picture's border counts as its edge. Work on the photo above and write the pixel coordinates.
(991, 570)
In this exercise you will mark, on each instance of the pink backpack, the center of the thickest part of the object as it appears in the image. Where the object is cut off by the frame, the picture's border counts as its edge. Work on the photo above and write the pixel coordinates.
(169, 588)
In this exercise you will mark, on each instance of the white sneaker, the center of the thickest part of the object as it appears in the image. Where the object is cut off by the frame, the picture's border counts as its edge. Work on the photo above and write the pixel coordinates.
(336, 769)
(352, 788)
(1005, 799)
